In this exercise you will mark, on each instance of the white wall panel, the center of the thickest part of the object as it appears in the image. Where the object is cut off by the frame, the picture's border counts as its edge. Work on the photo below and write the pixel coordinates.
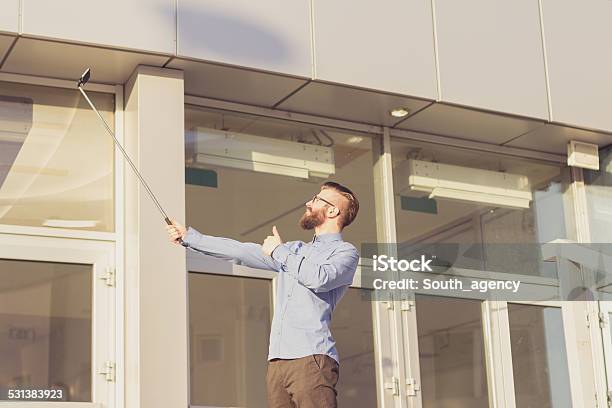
(272, 35)
(138, 24)
(491, 55)
(578, 36)
(386, 45)
(9, 16)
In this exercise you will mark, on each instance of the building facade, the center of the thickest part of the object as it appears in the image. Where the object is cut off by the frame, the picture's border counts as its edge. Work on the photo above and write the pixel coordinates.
(235, 113)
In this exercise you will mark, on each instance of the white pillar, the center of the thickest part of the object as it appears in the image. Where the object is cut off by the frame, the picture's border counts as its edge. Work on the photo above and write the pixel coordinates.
(156, 323)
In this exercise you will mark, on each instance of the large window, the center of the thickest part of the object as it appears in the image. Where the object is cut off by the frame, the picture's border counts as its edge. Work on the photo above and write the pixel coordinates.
(451, 352)
(598, 190)
(229, 323)
(486, 214)
(243, 200)
(56, 160)
(491, 203)
(46, 331)
(599, 198)
(245, 174)
(353, 331)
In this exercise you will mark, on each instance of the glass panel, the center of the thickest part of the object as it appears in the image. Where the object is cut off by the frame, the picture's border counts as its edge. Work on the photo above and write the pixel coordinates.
(468, 212)
(539, 359)
(229, 322)
(45, 329)
(599, 198)
(256, 199)
(451, 352)
(56, 159)
(610, 327)
(598, 188)
(352, 328)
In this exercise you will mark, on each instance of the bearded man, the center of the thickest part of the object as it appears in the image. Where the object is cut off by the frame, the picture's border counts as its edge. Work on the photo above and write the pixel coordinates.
(303, 363)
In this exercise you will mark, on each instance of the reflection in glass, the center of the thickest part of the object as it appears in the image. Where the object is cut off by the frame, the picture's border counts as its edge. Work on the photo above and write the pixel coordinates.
(610, 325)
(467, 218)
(539, 359)
(229, 322)
(451, 352)
(56, 159)
(353, 331)
(259, 200)
(598, 186)
(45, 328)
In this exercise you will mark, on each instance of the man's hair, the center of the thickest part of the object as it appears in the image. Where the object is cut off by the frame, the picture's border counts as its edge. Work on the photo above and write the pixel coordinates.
(352, 208)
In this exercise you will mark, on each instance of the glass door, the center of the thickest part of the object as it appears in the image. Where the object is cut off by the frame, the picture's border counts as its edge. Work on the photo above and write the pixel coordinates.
(230, 313)
(57, 332)
(241, 193)
(605, 308)
(540, 356)
(452, 358)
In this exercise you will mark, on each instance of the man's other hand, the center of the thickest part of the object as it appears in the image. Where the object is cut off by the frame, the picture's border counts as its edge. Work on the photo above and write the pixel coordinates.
(176, 231)
(271, 242)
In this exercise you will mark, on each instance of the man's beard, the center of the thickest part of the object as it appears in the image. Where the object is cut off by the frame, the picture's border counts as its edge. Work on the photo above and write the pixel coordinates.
(311, 219)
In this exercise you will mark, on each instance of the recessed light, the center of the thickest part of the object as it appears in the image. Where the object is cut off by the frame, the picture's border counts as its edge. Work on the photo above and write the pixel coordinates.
(354, 139)
(399, 112)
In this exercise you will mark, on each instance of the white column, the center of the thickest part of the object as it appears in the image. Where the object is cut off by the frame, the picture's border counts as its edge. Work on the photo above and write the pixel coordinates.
(156, 323)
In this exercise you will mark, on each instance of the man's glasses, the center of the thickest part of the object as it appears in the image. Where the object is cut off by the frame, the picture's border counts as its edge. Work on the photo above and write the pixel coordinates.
(316, 197)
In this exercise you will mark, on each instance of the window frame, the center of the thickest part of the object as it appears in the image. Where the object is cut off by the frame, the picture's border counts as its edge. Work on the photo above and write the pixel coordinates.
(502, 332)
(605, 310)
(206, 264)
(117, 91)
(101, 257)
(394, 324)
(76, 239)
(496, 341)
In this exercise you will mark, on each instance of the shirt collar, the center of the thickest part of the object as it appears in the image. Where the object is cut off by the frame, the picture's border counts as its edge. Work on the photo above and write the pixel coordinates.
(327, 237)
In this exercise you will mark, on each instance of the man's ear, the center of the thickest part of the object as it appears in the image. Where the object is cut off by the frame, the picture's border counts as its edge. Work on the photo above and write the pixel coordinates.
(333, 212)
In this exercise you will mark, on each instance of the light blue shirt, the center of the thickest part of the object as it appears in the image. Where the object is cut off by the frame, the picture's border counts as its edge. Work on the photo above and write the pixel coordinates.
(312, 278)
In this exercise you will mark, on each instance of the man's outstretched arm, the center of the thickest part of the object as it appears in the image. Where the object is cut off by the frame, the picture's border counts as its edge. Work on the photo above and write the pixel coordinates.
(242, 253)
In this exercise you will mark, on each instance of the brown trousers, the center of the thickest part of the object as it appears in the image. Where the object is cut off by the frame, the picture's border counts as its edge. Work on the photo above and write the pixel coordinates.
(307, 382)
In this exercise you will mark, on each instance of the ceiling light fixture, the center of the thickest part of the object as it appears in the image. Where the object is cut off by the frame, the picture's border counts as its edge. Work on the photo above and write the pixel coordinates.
(399, 112)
